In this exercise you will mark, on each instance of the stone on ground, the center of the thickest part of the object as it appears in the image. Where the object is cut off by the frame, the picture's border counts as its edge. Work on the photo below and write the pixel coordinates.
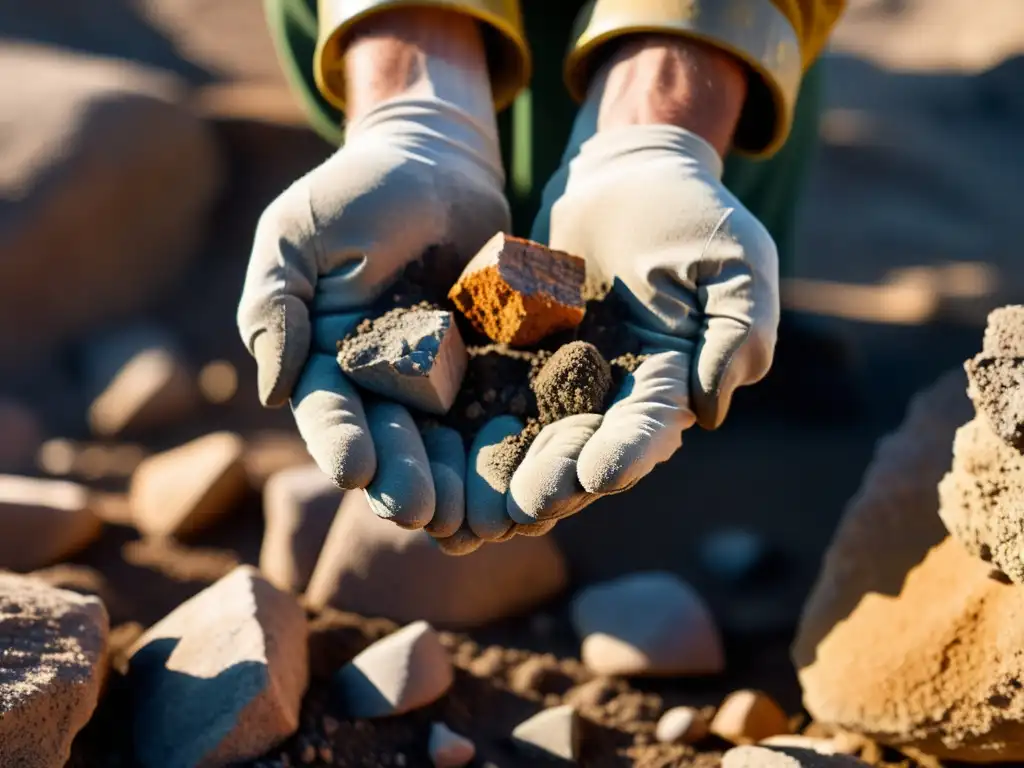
(647, 624)
(184, 490)
(552, 732)
(681, 725)
(141, 382)
(220, 679)
(945, 674)
(109, 181)
(299, 505)
(53, 658)
(749, 716)
(982, 498)
(785, 757)
(43, 521)
(517, 291)
(412, 356)
(404, 671)
(372, 567)
(448, 749)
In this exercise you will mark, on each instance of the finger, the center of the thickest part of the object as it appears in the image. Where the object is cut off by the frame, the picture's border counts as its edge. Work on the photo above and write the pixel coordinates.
(741, 310)
(485, 482)
(273, 314)
(330, 418)
(402, 490)
(447, 456)
(545, 486)
(642, 428)
(462, 542)
(328, 330)
(535, 529)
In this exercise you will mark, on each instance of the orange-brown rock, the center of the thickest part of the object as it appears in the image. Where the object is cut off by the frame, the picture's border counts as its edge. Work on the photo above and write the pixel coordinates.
(517, 291)
(749, 716)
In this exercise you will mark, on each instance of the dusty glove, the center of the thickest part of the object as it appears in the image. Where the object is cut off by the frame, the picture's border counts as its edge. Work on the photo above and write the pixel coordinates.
(645, 206)
(413, 173)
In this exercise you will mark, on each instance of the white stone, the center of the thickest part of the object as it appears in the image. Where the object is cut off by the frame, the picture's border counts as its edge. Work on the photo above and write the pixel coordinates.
(684, 725)
(553, 732)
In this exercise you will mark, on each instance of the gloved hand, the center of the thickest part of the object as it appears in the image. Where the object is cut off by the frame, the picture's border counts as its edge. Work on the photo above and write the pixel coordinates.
(413, 173)
(646, 208)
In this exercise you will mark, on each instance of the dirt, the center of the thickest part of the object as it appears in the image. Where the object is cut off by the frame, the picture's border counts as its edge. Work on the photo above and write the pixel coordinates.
(575, 379)
(384, 337)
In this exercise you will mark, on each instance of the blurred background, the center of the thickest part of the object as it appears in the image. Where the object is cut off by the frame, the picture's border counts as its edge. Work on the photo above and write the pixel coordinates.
(141, 139)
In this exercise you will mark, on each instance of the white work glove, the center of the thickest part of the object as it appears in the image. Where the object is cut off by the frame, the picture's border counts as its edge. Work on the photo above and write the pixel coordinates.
(413, 173)
(645, 206)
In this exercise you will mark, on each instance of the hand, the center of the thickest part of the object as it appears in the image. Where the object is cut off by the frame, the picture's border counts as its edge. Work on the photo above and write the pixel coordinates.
(645, 206)
(418, 169)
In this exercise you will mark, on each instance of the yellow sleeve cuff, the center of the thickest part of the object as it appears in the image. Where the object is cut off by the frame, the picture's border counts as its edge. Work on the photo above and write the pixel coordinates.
(754, 31)
(508, 55)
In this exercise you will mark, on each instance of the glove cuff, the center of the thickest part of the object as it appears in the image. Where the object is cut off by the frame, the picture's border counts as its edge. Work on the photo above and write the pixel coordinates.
(754, 31)
(508, 56)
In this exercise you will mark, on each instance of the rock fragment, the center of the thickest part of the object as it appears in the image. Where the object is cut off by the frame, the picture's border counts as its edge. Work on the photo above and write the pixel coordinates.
(785, 757)
(299, 505)
(220, 679)
(982, 498)
(749, 716)
(647, 624)
(404, 671)
(53, 657)
(142, 383)
(575, 379)
(372, 567)
(996, 375)
(43, 521)
(517, 291)
(448, 749)
(552, 732)
(681, 725)
(184, 490)
(413, 356)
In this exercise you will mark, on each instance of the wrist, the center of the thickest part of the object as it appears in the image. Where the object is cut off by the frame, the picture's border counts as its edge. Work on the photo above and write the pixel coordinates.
(417, 53)
(666, 80)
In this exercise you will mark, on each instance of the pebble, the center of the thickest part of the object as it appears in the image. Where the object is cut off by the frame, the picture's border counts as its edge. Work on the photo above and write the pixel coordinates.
(43, 521)
(448, 749)
(372, 567)
(221, 678)
(404, 671)
(650, 624)
(53, 656)
(731, 554)
(785, 757)
(749, 716)
(184, 490)
(299, 505)
(683, 725)
(554, 732)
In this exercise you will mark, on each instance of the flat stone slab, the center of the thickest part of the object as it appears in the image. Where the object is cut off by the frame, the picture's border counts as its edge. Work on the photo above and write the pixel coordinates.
(53, 658)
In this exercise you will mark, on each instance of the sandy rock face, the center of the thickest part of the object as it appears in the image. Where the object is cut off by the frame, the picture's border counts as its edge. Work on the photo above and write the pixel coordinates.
(372, 567)
(53, 656)
(43, 521)
(220, 679)
(907, 637)
(996, 375)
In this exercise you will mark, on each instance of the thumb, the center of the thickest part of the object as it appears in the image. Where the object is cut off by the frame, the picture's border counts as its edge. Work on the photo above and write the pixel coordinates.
(730, 354)
(280, 347)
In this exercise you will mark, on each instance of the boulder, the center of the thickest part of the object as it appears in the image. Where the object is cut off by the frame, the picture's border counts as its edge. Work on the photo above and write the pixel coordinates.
(52, 666)
(43, 521)
(647, 624)
(107, 182)
(299, 505)
(220, 679)
(184, 490)
(372, 567)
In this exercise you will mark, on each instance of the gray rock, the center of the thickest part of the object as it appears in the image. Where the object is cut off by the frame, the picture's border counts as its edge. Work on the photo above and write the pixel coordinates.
(552, 732)
(299, 505)
(43, 521)
(220, 679)
(785, 757)
(448, 749)
(647, 624)
(53, 658)
(107, 182)
(372, 567)
(682, 725)
(404, 671)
